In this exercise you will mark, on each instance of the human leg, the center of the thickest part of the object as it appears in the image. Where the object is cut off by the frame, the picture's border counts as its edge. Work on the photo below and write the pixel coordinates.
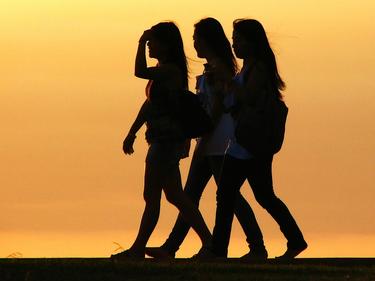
(199, 174)
(153, 182)
(260, 178)
(232, 177)
(188, 211)
(152, 197)
(249, 224)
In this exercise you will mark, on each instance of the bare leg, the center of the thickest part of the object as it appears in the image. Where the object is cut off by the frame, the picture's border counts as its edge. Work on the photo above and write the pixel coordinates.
(152, 197)
(176, 196)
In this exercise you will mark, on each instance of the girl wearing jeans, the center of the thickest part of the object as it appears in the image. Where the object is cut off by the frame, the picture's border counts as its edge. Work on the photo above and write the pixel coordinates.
(258, 75)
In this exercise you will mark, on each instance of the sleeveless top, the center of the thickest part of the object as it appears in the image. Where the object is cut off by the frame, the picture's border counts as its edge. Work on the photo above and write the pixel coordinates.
(161, 124)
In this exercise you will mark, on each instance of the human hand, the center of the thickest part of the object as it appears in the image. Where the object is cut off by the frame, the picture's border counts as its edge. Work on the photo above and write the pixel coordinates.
(127, 145)
(146, 36)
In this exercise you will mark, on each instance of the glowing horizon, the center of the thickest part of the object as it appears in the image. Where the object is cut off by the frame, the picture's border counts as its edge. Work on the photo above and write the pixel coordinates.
(68, 97)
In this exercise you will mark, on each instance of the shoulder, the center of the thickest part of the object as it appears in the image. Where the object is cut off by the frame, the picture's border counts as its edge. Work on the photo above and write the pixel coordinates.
(257, 71)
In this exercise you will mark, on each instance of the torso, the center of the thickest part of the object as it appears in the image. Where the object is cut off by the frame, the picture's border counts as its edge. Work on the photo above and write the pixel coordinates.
(217, 141)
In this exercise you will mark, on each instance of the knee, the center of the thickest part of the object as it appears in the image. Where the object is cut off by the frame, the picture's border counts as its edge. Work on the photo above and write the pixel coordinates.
(266, 200)
(173, 197)
(151, 200)
(193, 195)
(224, 195)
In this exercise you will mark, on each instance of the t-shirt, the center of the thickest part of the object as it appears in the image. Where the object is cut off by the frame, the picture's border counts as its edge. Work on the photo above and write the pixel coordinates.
(217, 141)
(235, 149)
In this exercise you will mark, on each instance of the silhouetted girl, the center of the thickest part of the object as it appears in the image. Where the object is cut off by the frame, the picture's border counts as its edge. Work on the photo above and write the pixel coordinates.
(166, 143)
(258, 78)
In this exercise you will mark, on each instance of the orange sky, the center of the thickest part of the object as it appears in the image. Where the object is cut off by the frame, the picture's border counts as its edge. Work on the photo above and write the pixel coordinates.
(68, 95)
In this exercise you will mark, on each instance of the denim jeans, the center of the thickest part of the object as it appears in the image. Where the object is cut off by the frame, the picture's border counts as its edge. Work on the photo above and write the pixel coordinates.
(258, 172)
(202, 168)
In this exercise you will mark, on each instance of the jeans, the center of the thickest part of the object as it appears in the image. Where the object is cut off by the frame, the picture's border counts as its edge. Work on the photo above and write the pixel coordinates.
(258, 172)
(202, 168)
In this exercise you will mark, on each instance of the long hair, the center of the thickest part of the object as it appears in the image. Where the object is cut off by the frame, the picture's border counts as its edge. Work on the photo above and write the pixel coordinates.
(169, 35)
(254, 34)
(211, 31)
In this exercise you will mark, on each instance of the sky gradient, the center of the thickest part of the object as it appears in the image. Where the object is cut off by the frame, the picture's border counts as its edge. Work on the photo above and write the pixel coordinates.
(68, 97)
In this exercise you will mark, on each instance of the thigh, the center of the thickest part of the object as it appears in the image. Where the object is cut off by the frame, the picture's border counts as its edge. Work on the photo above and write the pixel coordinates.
(233, 175)
(200, 173)
(216, 164)
(161, 164)
(260, 177)
(153, 182)
(173, 184)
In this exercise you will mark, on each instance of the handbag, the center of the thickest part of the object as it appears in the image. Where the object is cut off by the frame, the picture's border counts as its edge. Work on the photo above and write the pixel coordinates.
(194, 120)
(261, 129)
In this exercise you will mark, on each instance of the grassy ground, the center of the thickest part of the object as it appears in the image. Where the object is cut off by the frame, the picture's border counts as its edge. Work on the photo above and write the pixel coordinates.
(230, 270)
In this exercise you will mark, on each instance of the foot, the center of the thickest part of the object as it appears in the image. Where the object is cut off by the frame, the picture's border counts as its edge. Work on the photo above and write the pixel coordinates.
(159, 253)
(128, 255)
(255, 255)
(205, 253)
(292, 252)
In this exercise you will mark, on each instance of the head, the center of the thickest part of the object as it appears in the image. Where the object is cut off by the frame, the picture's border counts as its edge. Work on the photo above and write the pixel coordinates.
(210, 40)
(250, 41)
(166, 46)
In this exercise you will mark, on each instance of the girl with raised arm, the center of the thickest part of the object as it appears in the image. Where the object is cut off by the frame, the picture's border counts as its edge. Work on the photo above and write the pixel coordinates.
(164, 134)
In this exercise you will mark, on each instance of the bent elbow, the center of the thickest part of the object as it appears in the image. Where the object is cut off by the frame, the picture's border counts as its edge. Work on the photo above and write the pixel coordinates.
(140, 73)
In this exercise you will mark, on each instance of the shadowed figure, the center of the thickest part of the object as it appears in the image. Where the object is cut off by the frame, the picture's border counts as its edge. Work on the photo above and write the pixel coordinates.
(212, 88)
(167, 144)
(258, 79)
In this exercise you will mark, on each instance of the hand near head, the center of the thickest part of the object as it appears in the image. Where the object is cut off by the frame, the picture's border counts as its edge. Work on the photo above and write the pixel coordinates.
(127, 145)
(219, 76)
(146, 36)
(222, 72)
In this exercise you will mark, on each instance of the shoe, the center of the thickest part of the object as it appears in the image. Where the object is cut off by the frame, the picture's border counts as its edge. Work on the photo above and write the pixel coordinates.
(292, 252)
(204, 254)
(255, 255)
(128, 255)
(159, 253)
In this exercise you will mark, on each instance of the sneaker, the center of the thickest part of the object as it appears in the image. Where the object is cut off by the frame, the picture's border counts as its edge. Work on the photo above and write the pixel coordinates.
(204, 253)
(255, 255)
(128, 255)
(291, 253)
(159, 253)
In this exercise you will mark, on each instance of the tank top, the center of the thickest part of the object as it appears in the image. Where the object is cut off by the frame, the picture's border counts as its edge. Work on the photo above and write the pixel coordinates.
(160, 122)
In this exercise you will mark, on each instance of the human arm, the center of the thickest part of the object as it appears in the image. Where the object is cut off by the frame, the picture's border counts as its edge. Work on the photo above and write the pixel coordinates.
(137, 124)
(219, 77)
(141, 69)
(252, 92)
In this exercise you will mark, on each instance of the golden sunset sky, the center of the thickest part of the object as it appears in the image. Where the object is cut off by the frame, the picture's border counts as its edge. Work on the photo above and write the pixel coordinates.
(68, 97)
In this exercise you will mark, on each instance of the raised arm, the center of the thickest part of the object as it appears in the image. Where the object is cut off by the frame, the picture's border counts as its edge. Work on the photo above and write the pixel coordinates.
(141, 69)
(140, 59)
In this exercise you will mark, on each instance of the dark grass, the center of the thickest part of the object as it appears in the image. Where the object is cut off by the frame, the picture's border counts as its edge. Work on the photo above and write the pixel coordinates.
(82, 269)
